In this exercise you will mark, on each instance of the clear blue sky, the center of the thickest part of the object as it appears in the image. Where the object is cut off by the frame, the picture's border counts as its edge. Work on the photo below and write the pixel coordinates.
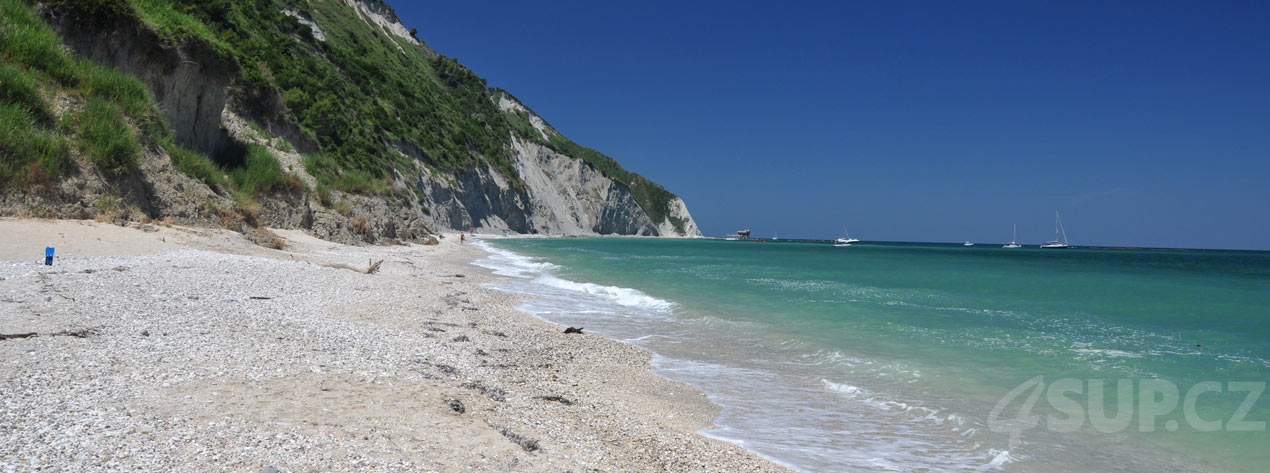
(1144, 123)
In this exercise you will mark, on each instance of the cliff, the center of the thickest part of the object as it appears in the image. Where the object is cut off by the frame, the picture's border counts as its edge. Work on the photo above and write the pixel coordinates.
(326, 115)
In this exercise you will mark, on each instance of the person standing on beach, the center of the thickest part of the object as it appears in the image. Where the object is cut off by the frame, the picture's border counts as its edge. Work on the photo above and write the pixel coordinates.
(462, 238)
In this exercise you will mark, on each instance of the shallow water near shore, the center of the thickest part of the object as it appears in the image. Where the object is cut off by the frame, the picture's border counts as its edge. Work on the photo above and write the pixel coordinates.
(906, 357)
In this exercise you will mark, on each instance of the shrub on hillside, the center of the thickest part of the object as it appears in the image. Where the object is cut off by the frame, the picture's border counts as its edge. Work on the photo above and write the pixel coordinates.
(261, 173)
(27, 152)
(106, 138)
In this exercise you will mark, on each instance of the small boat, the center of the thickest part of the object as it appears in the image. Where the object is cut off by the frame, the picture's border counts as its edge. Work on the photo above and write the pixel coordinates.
(1014, 243)
(846, 240)
(1058, 228)
(968, 243)
(732, 237)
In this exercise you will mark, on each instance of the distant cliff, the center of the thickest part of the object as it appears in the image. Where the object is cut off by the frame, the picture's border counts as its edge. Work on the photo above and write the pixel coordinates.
(327, 115)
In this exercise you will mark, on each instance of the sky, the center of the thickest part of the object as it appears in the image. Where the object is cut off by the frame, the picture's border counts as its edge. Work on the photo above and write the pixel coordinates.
(1142, 123)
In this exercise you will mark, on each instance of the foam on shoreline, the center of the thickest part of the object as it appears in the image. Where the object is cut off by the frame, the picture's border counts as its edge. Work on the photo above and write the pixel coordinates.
(766, 407)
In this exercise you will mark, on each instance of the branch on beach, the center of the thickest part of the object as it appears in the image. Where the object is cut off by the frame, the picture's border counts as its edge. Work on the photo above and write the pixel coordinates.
(372, 268)
(558, 399)
(493, 393)
(530, 445)
(84, 333)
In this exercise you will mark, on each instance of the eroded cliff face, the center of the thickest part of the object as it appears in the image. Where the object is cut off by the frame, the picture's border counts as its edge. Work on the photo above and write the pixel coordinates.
(199, 93)
(679, 211)
(567, 196)
(190, 81)
(562, 196)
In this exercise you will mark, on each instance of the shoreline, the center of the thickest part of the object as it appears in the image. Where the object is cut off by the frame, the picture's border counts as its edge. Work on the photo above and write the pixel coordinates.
(203, 351)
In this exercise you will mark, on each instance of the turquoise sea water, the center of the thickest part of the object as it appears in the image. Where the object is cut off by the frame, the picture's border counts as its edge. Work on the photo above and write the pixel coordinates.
(912, 357)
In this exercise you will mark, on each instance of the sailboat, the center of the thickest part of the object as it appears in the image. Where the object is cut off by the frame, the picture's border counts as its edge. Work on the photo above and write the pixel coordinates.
(1014, 242)
(1058, 228)
(846, 240)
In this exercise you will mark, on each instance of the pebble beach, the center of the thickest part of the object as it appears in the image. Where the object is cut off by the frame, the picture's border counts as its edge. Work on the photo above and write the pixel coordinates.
(163, 348)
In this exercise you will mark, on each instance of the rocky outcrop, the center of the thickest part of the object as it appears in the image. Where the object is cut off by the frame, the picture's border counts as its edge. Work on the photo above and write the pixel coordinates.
(568, 196)
(477, 198)
(562, 195)
(382, 16)
(679, 213)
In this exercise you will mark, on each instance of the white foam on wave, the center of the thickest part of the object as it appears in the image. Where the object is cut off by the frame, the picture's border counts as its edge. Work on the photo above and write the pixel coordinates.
(506, 263)
(832, 358)
(999, 459)
(621, 295)
(1109, 353)
(843, 387)
(912, 411)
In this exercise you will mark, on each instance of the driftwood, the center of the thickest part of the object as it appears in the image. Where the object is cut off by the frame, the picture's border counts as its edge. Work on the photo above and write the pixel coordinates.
(558, 399)
(371, 269)
(84, 333)
(530, 445)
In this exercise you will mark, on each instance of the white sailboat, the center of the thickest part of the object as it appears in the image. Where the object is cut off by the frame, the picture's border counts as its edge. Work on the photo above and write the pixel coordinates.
(845, 240)
(968, 243)
(1058, 228)
(1014, 242)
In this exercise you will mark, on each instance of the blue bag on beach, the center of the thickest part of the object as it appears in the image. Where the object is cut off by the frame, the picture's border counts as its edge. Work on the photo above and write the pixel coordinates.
(48, 256)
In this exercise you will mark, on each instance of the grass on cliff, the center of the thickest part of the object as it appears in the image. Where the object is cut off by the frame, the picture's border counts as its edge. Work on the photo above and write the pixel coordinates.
(262, 174)
(32, 151)
(104, 136)
(35, 147)
(29, 153)
(357, 94)
(37, 66)
(27, 43)
(20, 90)
(330, 174)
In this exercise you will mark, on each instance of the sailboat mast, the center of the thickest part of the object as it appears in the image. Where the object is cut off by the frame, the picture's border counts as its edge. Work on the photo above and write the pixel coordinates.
(1060, 227)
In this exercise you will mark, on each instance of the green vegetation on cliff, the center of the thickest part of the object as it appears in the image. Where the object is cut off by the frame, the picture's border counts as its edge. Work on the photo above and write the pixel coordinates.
(360, 94)
(369, 105)
(34, 144)
(108, 118)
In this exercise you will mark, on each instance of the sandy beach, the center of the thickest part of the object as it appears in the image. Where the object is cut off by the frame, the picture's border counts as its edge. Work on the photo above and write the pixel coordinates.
(187, 349)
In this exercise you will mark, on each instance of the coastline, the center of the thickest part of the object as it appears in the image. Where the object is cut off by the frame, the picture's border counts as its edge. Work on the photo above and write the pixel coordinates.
(200, 351)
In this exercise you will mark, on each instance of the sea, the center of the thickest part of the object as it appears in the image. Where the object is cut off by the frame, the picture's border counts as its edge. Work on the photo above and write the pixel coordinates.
(935, 357)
